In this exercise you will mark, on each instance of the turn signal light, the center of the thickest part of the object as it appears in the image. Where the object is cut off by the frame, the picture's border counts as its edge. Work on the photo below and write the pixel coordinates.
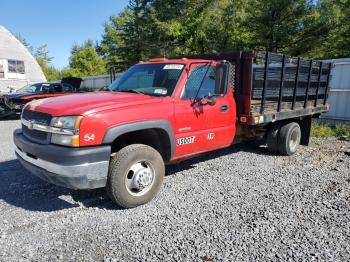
(243, 119)
(75, 141)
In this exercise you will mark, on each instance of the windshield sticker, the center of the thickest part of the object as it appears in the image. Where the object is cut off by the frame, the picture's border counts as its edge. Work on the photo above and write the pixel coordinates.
(173, 66)
(160, 91)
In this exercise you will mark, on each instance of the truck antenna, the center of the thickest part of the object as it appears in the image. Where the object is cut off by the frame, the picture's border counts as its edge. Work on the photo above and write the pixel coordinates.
(200, 86)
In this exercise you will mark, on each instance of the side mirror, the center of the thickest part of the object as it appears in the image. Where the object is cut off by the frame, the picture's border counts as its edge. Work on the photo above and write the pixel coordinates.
(221, 78)
(211, 100)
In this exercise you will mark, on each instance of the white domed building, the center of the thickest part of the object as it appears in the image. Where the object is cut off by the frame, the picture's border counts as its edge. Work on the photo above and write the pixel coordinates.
(18, 67)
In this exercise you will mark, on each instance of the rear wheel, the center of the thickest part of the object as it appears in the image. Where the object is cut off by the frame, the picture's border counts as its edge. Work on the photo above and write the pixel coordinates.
(289, 138)
(135, 176)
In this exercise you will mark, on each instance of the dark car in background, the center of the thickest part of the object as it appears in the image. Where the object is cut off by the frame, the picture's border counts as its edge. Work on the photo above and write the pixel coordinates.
(12, 103)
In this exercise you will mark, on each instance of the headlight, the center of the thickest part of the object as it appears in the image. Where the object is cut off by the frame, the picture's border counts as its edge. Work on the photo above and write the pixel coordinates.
(69, 122)
(67, 128)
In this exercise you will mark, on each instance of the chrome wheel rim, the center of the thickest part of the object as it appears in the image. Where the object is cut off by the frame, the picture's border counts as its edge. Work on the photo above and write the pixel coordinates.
(139, 178)
(294, 140)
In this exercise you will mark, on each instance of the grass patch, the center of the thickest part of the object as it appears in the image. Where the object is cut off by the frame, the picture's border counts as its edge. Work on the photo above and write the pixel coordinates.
(342, 131)
(322, 130)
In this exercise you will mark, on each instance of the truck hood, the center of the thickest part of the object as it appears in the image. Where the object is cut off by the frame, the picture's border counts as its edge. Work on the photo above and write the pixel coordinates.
(89, 103)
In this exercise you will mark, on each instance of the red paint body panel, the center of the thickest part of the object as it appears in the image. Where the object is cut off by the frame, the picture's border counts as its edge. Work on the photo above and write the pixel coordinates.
(211, 127)
(89, 103)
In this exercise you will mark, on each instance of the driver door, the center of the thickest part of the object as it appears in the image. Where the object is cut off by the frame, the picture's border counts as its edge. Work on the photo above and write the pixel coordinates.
(200, 128)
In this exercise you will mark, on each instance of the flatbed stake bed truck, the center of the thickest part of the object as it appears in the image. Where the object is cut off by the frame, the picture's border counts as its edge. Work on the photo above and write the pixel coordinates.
(165, 110)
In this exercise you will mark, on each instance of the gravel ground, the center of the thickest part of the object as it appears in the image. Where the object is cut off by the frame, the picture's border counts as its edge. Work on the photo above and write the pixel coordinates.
(238, 204)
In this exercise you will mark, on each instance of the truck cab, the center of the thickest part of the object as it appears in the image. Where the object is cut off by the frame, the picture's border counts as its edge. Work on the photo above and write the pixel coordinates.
(157, 112)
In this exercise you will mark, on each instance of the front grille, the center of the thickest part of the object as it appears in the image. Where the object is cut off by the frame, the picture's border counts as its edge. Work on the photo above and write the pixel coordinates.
(34, 134)
(39, 118)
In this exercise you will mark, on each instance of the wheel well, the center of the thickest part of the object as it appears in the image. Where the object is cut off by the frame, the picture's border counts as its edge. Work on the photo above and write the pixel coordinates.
(156, 138)
(305, 126)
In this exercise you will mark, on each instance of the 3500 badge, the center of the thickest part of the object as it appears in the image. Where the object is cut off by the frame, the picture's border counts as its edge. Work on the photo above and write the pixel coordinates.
(185, 140)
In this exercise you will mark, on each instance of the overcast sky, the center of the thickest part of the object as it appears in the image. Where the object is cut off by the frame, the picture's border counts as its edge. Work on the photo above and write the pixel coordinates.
(58, 23)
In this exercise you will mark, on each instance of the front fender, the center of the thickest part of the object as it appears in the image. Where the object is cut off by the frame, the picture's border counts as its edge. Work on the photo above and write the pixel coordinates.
(116, 131)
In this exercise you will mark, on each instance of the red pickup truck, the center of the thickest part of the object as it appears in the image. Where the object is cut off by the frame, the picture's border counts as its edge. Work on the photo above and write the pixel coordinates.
(170, 109)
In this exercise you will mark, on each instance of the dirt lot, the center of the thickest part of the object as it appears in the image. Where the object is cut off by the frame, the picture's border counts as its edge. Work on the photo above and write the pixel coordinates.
(237, 204)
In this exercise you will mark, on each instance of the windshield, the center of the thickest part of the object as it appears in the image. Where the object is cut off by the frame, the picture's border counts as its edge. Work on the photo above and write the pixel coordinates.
(152, 79)
(33, 88)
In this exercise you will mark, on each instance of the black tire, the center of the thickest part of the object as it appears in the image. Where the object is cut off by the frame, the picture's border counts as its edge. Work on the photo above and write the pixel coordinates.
(289, 138)
(272, 138)
(119, 172)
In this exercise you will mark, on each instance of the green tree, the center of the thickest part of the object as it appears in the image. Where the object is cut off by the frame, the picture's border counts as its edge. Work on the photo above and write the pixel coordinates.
(51, 73)
(125, 38)
(45, 61)
(336, 42)
(24, 42)
(276, 24)
(213, 25)
(167, 27)
(41, 54)
(146, 28)
(84, 61)
(343, 40)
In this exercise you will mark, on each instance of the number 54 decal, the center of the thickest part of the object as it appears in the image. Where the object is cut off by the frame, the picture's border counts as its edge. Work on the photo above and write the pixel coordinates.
(89, 137)
(185, 140)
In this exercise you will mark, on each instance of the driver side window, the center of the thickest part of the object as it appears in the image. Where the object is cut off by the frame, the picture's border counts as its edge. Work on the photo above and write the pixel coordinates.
(195, 79)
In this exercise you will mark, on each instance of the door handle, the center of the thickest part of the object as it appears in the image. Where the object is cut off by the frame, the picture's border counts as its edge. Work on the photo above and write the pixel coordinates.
(224, 108)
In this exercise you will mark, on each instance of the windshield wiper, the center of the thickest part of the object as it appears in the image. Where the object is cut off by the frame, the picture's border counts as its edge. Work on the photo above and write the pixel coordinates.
(131, 91)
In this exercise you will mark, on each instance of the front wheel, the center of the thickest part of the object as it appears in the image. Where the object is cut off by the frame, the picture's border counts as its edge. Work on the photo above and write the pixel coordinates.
(135, 175)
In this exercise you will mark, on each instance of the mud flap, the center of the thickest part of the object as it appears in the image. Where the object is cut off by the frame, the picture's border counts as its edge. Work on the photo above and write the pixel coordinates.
(305, 126)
